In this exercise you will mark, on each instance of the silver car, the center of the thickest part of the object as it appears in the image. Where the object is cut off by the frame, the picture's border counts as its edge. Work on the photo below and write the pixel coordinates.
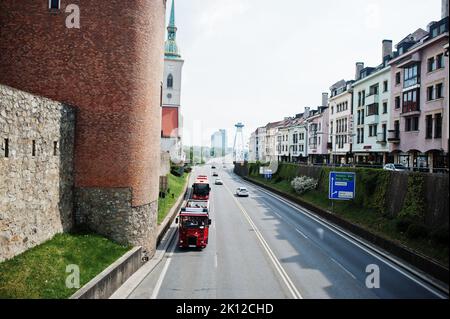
(395, 167)
(242, 192)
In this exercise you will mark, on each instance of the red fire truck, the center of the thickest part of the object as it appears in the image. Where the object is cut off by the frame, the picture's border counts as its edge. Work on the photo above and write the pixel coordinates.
(194, 224)
(201, 188)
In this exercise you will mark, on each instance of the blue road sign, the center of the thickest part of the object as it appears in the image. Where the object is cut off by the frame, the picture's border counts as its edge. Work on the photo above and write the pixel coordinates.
(342, 186)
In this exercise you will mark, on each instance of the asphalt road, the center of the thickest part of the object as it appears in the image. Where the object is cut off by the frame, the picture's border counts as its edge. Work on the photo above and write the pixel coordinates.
(267, 248)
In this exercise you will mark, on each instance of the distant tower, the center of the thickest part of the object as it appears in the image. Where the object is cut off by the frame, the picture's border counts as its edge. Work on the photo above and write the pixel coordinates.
(172, 120)
(239, 147)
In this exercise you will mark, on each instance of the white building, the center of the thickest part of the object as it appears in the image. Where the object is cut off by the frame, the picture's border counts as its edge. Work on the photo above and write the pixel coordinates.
(219, 143)
(341, 122)
(371, 100)
(172, 120)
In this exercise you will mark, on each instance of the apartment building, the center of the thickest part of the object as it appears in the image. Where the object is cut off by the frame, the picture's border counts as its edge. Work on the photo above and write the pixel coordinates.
(340, 122)
(271, 141)
(318, 135)
(419, 116)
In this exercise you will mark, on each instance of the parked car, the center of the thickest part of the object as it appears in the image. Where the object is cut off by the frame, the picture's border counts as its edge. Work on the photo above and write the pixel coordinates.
(242, 192)
(215, 174)
(395, 167)
(218, 181)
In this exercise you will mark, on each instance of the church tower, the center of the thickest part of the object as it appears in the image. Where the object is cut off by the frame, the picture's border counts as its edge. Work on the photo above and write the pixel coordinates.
(171, 128)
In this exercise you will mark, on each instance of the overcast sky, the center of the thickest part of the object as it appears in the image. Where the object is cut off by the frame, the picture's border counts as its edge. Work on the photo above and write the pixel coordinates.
(257, 61)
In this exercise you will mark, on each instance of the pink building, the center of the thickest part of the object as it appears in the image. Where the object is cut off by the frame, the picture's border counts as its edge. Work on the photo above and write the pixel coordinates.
(419, 99)
(318, 134)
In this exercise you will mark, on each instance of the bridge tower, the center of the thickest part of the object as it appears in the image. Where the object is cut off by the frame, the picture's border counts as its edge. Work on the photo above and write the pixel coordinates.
(238, 147)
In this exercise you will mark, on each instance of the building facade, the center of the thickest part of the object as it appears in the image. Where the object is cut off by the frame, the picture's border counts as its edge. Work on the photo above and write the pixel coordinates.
(341, 122)
(419, 120)
(371, 115)
(219, 143)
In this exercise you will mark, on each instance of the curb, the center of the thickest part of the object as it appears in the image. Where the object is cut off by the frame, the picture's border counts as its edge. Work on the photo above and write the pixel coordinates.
(419, 261)
(168, 220)
(104, 284)
(165, 235)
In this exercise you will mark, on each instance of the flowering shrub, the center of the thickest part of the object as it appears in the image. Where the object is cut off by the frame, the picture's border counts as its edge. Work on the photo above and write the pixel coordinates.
(303, 184)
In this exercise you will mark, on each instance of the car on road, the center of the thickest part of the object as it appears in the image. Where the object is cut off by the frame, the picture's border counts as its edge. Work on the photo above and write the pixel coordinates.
(395, 167)
(218, 181)
(242, 192)
(213, 167)
(215, 174)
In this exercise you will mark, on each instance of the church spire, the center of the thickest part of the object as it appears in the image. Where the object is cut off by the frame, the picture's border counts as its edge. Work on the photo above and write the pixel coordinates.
(171, 48)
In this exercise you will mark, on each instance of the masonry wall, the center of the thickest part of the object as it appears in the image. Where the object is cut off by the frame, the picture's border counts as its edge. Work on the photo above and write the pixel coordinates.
(111, 69)
(36, 192)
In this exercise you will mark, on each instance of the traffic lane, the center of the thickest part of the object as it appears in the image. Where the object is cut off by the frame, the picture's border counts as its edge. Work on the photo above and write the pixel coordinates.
(312, 271)
(244, 270)
(394, 282)
(189, 274)
(226, 268)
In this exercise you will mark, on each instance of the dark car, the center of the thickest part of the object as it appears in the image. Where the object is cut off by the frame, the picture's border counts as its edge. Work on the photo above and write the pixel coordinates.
(215, 174)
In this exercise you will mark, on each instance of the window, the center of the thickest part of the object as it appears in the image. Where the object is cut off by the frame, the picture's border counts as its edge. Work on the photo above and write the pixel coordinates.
(429, 126)
(363, 98)
(410, 101)
(384, 128)
(385, 107)
(385, 86)
(6, 147)
(397, 102)
(55, 148)
(362, 135)
(54, 4)
(440, 61)
(430, 93)
(170, 81)
(397, 78)
(408, 124)
(372, 109)
(412, 124)
(431, 64)
(439, 91)
(411, 76)
(33, 148)
(438, 126)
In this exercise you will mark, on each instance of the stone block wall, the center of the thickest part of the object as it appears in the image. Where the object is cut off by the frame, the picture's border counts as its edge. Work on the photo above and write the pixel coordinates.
(36, 182)
(109, 212)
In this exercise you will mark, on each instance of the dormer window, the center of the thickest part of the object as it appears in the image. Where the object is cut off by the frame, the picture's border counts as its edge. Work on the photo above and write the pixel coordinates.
(170, 81)
(54, 4)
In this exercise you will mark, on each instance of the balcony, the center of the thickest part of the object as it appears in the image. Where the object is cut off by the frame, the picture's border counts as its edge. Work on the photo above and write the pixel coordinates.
(381, 138)
(407, 83)
(394, 136)
(410, 108)
(372, 99)
(372, 119)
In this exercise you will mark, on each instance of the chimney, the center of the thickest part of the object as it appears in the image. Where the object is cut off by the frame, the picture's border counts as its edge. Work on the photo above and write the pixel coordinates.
(386, 49)
(444, 9)
(359, 68)
(306, 113)
(324, 99)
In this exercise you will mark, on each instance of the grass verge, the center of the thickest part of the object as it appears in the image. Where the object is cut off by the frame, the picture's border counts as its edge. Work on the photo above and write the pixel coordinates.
(367, 219)
(40, 272)
(176, 187)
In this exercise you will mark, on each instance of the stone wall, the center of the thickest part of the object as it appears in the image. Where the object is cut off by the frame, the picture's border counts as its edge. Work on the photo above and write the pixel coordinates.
(109, 212)
(35, 186)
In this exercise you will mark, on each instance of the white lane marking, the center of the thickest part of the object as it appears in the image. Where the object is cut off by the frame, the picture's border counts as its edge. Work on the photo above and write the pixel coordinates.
(279, 216)
(354, 241)
(215, 261)
(301, 233)
(284, 276)
(343, 268)
(164, 271)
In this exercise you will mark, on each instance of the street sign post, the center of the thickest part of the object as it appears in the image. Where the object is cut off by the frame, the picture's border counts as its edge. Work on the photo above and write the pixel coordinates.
(342, 186)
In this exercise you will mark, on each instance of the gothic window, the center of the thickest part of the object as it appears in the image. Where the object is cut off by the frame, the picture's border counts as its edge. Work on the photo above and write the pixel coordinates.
(170, 81)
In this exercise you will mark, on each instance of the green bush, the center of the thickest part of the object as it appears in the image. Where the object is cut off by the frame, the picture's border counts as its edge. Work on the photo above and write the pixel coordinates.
(288, 171)
(416, 231)
(441, 235)
(414, 204)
